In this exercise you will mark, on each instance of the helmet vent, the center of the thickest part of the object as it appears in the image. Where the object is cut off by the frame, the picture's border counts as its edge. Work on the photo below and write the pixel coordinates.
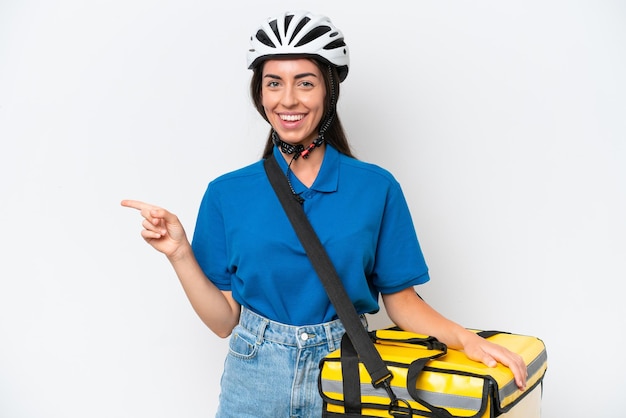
(337, 43)
(274, 26)
(313, 35)
(301, 24)
(264, 39)
(288, 20)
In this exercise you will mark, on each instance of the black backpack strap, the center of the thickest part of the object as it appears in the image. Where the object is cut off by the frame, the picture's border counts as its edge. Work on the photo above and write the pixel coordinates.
(377, 369)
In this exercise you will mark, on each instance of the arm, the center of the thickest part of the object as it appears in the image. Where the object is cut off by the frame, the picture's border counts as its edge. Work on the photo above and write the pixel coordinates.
(407, 310)
(162, 229)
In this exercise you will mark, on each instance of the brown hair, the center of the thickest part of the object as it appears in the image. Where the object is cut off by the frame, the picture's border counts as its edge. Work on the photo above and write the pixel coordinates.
(334, 135)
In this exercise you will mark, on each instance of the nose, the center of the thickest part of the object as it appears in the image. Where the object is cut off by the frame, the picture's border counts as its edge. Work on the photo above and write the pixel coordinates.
(289, 97)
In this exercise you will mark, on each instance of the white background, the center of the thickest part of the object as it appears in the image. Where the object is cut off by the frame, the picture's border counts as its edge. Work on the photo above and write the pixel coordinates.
(504, 122)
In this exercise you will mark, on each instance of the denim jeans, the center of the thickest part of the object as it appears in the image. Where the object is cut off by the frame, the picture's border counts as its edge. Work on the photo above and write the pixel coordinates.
(272, 369)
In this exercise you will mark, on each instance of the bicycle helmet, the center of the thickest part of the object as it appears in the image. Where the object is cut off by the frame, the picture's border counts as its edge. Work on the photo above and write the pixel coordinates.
(301, 34)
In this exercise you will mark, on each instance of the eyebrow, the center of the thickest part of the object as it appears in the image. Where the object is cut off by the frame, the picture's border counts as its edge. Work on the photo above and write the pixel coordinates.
(298, 76)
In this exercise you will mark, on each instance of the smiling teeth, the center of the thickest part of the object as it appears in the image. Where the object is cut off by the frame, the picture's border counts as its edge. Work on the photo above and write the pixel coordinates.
(291, 118)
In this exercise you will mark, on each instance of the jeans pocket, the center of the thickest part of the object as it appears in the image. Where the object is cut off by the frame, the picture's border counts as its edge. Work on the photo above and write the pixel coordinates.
(242, 344)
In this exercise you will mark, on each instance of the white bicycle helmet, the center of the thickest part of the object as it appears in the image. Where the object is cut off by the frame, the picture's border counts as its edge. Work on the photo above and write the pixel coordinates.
(302, 34)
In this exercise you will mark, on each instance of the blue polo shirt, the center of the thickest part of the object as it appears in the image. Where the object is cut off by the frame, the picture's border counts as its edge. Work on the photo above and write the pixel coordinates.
(245, 243)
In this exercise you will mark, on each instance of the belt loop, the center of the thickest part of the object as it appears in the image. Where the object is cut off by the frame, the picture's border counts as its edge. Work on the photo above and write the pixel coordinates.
(261, 330)
(254, 323)
(329, 337)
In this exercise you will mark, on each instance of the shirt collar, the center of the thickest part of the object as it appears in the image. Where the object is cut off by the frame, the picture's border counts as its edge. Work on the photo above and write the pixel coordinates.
(328, 177)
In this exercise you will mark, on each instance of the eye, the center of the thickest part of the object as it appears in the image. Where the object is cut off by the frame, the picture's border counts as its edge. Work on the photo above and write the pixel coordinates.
(306, 83)
(272, 84)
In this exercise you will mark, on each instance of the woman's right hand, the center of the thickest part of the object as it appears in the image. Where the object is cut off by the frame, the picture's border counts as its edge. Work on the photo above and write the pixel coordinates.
(162, 229)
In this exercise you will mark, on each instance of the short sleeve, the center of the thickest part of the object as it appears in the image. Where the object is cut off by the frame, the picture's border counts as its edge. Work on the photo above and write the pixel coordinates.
(399, 259)
(209, 241)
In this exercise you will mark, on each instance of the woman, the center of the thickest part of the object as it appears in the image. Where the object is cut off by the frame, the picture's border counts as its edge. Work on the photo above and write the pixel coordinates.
(246, 274)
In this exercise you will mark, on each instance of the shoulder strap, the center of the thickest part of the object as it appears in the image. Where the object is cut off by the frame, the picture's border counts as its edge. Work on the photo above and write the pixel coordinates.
(359, 337)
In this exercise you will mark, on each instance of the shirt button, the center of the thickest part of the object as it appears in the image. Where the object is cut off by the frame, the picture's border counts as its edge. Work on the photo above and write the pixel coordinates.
(304, 336)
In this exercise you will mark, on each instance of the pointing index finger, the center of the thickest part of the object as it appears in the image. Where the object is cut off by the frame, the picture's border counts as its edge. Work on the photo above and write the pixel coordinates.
(135, 204)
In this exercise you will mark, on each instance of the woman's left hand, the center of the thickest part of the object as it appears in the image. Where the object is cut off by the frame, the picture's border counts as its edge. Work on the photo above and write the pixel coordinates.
(479, 349)
(410, 312)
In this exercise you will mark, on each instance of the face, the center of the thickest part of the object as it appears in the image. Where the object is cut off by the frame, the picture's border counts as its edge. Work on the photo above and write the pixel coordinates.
(292, 95)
